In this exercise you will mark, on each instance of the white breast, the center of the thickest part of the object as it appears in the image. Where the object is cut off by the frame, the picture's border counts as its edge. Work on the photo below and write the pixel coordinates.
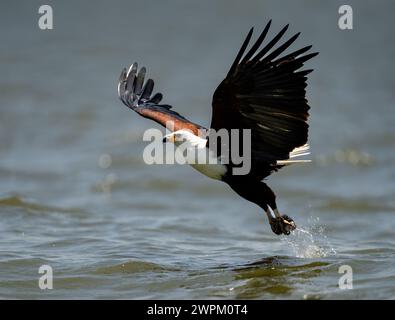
(207, 164)
(200, 158)
(213, 171)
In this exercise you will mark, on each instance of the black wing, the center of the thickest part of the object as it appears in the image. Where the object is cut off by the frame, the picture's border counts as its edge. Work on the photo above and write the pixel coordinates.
(137, 95)
(266, 93)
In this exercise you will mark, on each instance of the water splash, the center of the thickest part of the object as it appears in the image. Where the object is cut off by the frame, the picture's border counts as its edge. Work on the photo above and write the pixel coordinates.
(309, 241)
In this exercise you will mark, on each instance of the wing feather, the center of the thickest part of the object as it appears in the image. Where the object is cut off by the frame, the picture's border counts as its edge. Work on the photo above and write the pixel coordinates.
(137, 95)
(265, 92)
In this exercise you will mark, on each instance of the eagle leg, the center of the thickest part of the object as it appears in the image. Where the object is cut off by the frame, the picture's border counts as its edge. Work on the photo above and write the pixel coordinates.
(282, 224)
(259, 193)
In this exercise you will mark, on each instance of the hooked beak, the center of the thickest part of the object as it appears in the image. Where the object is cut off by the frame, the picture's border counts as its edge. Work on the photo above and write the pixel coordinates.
(168, 138)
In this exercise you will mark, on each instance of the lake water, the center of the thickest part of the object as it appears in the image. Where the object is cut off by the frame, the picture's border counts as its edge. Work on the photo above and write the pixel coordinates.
(75, 193)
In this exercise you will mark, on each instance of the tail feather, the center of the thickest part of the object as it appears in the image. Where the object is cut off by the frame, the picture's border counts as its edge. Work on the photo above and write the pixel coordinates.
(295, 153)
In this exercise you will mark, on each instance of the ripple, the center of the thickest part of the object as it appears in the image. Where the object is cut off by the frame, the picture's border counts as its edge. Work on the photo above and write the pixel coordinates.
(275, 276)
(356, 205)
(32, 207)
(134, 266)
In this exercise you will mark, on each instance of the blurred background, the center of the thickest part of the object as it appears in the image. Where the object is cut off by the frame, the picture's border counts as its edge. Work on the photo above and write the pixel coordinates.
(75, 193)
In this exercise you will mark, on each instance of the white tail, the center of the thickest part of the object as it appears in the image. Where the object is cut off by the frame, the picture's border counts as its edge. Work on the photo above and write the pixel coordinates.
(295, 153)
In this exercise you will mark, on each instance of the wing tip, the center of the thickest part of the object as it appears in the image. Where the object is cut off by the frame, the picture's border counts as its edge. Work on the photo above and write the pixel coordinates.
(134, 90)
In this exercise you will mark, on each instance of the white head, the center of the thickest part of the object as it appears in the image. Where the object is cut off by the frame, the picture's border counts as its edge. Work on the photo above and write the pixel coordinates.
(185, 137)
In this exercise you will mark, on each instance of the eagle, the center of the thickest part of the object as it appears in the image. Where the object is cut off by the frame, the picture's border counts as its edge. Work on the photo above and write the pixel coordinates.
(264, 92)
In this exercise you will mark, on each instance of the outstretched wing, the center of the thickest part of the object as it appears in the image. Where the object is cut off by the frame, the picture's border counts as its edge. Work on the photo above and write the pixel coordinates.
(137, 95)
(266, 93)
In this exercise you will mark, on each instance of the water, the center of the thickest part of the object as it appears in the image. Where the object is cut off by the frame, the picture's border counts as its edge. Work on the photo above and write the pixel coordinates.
(76, 195)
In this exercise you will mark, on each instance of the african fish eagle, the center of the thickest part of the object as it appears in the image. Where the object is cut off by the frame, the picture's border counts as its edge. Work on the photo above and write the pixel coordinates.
(264, 91)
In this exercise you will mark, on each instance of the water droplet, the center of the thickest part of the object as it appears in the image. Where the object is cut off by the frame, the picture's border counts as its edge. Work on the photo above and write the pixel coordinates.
(310, 242)
(105, 161)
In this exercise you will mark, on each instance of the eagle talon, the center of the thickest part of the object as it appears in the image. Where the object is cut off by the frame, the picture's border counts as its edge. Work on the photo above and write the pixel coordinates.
(282, 225)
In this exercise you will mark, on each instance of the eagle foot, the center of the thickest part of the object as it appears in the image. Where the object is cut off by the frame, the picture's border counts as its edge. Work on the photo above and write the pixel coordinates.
(282, 225)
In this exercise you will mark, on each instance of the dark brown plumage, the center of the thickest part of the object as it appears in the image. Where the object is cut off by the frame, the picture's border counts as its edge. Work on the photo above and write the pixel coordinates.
(267, 95)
